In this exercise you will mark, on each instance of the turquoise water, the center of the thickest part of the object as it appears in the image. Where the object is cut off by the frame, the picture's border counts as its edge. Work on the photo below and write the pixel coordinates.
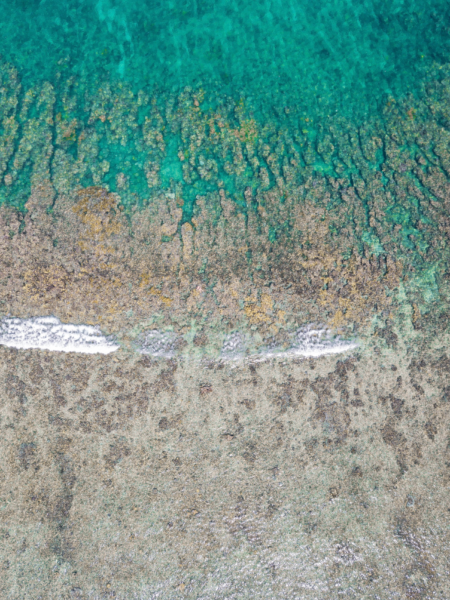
(186, 98)
(344, 55)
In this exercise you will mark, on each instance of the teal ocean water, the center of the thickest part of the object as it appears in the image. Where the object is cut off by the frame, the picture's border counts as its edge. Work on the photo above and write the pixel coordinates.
(339, 55)
(289, 61)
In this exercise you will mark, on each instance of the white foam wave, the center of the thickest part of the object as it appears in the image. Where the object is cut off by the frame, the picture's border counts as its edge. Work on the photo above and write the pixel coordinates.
(311, 341)
(233, 345)
(48, 333)
(308, 342)
(159, 343)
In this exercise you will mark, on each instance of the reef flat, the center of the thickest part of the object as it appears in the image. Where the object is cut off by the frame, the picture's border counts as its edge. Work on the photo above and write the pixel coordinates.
(240, 224)
(130, 477)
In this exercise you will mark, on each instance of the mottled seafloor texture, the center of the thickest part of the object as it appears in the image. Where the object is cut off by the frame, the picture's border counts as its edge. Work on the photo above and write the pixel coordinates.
(127, 477)
(195, 188)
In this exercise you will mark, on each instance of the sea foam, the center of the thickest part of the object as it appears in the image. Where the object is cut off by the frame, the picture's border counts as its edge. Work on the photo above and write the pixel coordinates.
(48, 333)
(159, 343)
(309, 341)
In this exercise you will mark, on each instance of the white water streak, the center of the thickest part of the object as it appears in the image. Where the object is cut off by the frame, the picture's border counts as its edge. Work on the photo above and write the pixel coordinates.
(308, 342)
(48, 333)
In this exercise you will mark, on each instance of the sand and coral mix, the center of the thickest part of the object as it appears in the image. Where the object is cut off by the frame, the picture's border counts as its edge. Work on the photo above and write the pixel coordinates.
(224, 299)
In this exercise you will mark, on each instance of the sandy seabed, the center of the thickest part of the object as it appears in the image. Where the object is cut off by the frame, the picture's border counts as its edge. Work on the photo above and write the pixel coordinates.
(126, 476)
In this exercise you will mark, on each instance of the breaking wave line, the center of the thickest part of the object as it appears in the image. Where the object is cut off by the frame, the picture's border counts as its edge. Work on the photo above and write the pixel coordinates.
(48, 333)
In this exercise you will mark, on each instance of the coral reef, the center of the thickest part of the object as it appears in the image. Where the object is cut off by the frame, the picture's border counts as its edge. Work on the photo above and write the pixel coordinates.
(188, 211)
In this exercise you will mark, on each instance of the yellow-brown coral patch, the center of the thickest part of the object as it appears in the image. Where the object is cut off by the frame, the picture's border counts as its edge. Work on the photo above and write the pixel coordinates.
(98, 211)
(45, 282)
(258, 313)
(364, 289)
(164, 299)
